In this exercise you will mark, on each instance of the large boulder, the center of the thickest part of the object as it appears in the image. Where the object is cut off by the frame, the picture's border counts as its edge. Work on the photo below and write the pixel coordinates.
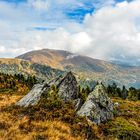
(98, 107)
(34, 95)
(66, 84)
(68, 90)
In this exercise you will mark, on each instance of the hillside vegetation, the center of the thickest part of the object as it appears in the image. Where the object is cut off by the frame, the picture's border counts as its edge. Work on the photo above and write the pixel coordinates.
(53, 120)
(16, 83)
(22, 67)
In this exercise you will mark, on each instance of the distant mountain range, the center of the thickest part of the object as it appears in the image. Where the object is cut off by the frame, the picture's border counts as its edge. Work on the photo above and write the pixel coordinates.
(86, 68)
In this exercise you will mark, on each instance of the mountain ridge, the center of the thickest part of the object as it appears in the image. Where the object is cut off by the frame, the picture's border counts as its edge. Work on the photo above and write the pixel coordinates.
(48, 63)
(85, 67)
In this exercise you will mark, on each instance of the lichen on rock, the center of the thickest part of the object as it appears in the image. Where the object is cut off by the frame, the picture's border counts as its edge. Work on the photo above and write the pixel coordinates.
(66, 84)
(33, 97)
(98, 107)
(68, 88)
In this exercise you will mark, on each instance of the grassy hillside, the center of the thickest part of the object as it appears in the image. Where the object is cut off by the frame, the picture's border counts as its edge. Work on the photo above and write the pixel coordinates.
(42, 123)
(18, 66)
(53, 120)
(15, 84)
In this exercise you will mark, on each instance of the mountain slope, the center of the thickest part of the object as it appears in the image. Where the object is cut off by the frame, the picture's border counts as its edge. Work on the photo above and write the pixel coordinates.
(85, 67)
(18, 66)
(64, 60)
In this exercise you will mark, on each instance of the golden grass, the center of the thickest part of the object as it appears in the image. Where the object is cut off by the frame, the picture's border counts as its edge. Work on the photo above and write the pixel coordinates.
(7, 100)
(126, 124)
(15, 125)
(20, 128)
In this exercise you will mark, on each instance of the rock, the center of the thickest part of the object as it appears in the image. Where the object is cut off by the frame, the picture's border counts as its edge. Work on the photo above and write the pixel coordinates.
(66, 83)
(56, 81)
(34, 95)
(98, 107)
(68, 90)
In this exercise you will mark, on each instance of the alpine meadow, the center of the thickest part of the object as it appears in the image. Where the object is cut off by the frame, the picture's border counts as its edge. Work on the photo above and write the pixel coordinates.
(69, 69)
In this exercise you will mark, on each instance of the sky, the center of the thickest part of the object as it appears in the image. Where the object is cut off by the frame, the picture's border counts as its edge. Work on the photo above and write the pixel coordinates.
(102, 29)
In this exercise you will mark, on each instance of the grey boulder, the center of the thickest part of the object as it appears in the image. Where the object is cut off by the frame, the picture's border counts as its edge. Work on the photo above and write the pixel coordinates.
(68, 90)
(66, 84)
(98, 107)
(34, 95)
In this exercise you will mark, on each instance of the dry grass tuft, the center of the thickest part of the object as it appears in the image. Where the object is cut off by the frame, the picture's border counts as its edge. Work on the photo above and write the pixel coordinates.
(39, 123)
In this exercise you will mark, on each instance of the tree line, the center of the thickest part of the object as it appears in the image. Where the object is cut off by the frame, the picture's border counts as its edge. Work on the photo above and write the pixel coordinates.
(131, 93)
(12, 81)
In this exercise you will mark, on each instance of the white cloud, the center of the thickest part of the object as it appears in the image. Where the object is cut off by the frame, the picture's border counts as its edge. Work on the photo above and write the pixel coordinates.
(2, 49)
(111, 33)
(114, 32)
(39, 4)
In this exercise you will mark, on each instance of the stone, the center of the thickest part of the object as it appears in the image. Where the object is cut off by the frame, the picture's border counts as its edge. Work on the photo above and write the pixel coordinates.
(34, 95)
(98, 107)
(68, 90)
(56, 81)
(66, 84)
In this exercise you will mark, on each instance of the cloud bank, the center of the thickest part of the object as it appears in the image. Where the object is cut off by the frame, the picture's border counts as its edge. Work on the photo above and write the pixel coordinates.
(107, 30)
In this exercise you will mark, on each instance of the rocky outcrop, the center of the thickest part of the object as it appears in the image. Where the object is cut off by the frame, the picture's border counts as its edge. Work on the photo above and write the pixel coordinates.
(68, 88)
(34, 95)
(66, 84)
(98, 106)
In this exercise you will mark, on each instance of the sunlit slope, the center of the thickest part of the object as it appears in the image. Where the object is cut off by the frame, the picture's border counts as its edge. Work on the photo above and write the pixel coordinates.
(18, 66)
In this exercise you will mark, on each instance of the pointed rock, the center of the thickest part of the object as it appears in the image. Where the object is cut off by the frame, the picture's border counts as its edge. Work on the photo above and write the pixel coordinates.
(98, 106)
(68, 88)
(66, 84)
(56, 81)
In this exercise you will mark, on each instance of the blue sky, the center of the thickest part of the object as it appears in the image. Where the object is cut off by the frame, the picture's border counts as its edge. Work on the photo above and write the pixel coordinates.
(103, 29)
(56, 12)
(73, 11)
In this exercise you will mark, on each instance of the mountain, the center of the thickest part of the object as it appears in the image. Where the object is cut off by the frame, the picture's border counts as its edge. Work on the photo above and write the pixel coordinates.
(64, 60)
(18, 66)
(86, 68)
